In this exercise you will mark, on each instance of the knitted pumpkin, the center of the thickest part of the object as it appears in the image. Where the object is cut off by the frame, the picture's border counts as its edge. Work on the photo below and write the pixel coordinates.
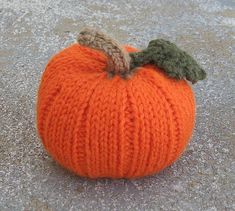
(109, 111)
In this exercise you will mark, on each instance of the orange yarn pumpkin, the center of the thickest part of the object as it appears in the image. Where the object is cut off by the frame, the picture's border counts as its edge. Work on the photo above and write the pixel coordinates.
(98, 126)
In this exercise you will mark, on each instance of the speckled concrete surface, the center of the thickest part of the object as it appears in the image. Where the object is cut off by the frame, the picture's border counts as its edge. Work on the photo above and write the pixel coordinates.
(31, 31)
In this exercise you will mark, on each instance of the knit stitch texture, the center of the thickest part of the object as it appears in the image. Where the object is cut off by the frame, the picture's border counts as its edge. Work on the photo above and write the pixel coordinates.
(101, 127)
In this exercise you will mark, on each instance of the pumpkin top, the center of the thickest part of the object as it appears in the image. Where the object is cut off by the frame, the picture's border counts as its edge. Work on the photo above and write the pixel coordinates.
(175, 62)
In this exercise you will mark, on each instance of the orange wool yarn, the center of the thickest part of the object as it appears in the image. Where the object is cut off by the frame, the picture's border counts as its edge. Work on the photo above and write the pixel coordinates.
(98, 126)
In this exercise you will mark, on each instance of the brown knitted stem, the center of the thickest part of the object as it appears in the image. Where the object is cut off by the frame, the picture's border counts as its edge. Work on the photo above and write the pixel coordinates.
(119, 59)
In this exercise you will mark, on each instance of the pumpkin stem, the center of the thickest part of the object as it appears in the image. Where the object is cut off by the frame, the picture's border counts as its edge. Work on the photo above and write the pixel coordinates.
(118, 59)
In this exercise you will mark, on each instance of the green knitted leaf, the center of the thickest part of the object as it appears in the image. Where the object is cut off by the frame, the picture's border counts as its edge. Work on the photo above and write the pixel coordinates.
(175, 62)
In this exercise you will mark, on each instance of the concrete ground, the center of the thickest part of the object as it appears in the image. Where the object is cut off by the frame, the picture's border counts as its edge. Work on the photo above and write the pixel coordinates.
(31, 31)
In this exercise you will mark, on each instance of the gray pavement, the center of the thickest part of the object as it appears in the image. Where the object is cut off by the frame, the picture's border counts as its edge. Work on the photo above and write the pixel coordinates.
(32, 31)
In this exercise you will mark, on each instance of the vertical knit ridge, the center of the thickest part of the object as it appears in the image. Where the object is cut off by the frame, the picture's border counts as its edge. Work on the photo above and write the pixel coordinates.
(88, 136)
(171, 146)
(129, 131)
(52, 116)
(136, 129)
(143, 140)
(174, 139)
(173, 154)
(78, 145)
(99, 126)
(60, 115)
(185, 113)
(64, 117)
(174, 142)
(70, 122)
(157, 129)
(105, 131)
(113, 130)
(123, 137)
(44, 107)
(67, 132)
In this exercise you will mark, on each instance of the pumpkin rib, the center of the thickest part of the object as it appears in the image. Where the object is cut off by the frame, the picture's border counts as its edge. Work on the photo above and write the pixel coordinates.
(129, 130)
(69, 123)
(179, 117)
(103, 105)
(44, 108)
(71, 118)
(87, 145)
(136, 127)
(166, 96)
(50, 130)
(160, 109)
(57, 128)
(114, 128)
(77, 144)
(141, 133)
(122, 98)
(144, 135)
(118, 109)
